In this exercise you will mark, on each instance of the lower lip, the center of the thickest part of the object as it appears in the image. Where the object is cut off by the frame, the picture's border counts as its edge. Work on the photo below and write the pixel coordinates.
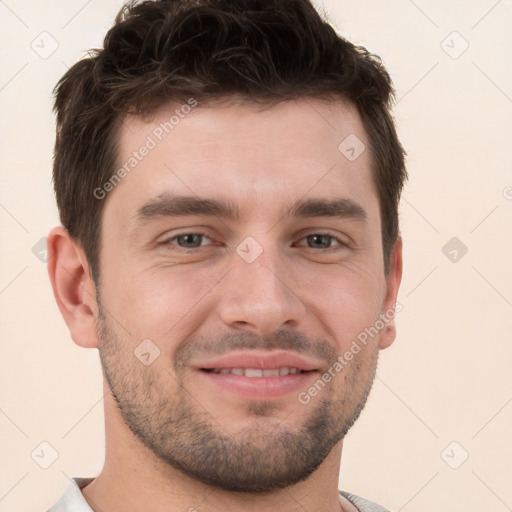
(260, 388)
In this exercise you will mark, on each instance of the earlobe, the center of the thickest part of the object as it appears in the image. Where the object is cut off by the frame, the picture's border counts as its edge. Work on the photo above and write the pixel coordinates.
(391, 306)
(72, 286)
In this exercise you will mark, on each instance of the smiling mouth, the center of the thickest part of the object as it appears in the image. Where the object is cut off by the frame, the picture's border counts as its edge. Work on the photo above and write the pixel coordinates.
(257, 372)
(253, 375)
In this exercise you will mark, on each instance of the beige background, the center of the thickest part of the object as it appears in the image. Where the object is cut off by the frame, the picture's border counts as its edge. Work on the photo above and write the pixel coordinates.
(447, 378)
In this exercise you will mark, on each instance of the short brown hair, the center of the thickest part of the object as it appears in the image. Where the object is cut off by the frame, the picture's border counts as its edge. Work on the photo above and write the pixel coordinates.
(160, 51)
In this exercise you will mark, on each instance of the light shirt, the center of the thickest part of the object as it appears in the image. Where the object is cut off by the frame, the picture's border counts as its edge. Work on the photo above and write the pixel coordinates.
(73, 501)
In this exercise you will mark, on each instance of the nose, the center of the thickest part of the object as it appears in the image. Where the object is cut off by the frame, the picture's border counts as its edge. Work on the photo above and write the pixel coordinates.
(260, 296)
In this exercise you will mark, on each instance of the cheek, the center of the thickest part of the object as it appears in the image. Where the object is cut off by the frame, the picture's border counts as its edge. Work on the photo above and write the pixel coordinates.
(162, 302)
(347, 300)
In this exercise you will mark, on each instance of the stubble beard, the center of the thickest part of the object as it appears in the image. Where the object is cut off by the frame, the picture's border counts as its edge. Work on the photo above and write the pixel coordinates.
(267, 455)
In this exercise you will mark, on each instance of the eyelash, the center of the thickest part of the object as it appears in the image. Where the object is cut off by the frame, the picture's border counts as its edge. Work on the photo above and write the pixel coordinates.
(340, 243)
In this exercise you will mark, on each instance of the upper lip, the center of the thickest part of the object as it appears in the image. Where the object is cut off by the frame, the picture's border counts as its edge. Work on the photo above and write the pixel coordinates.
(259, 359)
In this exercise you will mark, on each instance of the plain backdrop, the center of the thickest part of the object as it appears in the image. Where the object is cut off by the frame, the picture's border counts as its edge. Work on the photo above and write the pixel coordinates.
(435, 434)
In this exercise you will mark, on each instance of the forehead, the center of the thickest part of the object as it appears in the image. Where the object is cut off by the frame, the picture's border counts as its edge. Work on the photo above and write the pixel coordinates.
(245, 151)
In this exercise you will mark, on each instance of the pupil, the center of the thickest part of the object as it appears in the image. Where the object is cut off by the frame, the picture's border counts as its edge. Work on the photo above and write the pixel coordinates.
(191, 240)
(319, 240)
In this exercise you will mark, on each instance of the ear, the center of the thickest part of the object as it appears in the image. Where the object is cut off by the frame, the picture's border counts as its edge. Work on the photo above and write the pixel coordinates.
(390, 305)
(73, 288)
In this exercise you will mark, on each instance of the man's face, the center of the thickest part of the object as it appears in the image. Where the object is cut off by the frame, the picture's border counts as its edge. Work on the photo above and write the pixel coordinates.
(247, 248)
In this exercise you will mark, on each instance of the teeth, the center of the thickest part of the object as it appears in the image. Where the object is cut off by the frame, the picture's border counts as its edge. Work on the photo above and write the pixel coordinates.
(253, 372)
(257, 372)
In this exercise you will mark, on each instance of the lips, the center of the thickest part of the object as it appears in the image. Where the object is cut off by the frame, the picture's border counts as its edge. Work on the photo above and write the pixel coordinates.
(259, 360)
(259, 375)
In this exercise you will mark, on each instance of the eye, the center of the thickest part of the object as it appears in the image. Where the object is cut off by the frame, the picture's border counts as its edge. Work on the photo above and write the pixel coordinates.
(321, 241)
(189, 240)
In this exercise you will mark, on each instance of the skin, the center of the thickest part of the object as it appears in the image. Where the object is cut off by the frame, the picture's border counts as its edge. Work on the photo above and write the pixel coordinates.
(151, 288)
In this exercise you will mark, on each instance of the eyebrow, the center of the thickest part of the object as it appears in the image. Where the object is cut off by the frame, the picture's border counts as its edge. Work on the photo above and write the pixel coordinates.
(180, 206)
(340, 208)
(166, 205)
